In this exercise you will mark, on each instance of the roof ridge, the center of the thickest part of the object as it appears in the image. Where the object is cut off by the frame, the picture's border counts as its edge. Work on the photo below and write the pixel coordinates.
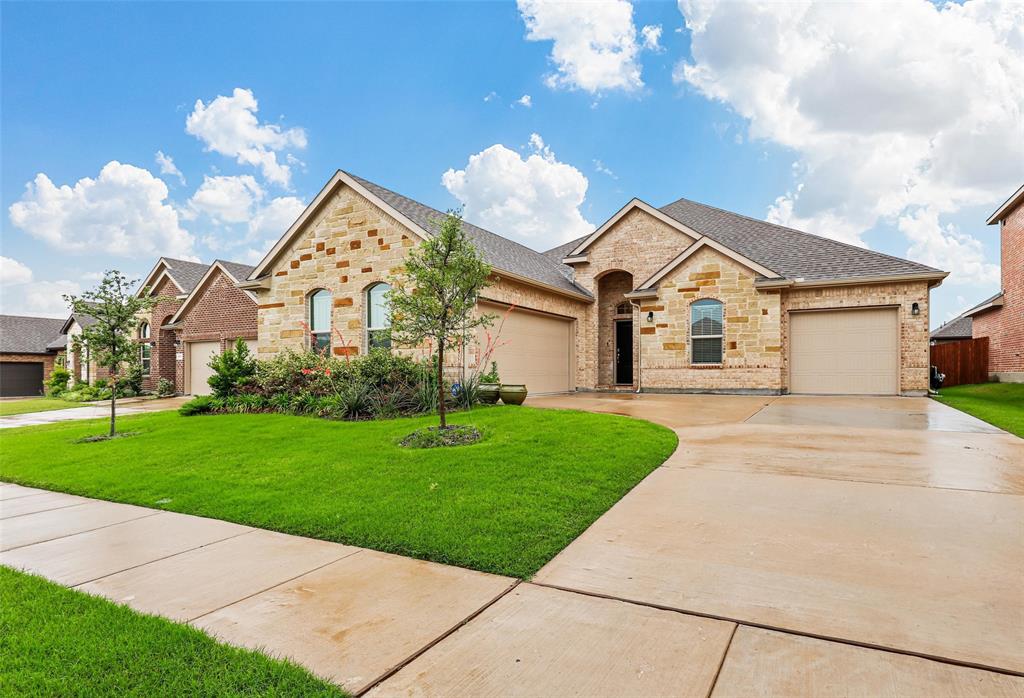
(792, 230)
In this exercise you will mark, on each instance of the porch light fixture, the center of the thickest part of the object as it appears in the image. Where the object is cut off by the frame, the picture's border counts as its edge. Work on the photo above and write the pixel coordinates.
(650, 316)
(915, 309)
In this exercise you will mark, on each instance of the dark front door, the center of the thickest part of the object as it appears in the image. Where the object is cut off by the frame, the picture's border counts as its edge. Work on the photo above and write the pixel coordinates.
(624, 352)
(17, 379)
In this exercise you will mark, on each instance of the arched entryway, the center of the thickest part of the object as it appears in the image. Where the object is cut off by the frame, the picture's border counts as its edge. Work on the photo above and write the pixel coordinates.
(616, 331)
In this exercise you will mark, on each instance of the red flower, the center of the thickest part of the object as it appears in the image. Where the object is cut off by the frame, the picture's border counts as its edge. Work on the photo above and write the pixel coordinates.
(306, 371)
(327, 371)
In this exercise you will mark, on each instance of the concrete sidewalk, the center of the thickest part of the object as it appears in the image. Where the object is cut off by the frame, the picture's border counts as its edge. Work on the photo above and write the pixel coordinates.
(94, 410)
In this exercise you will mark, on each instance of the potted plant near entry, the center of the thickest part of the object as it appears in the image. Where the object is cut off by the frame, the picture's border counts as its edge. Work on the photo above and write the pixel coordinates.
(512, 394)
(490, 385)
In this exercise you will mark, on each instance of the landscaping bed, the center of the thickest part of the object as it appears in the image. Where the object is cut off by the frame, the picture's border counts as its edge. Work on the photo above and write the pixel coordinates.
(506, 504)
(999, 404)
(59, 642)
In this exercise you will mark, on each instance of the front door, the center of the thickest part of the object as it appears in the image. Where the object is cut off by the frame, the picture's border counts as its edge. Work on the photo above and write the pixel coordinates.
(624, 352)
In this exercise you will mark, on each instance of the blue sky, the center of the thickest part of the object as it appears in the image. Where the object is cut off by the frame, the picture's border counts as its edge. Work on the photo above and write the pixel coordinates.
(657, 101)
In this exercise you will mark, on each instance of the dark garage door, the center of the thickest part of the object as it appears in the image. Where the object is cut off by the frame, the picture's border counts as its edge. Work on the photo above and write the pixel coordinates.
(20, 378)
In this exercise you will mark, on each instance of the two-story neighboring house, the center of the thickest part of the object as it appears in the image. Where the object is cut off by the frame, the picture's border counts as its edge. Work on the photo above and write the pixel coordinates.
(1001, 317)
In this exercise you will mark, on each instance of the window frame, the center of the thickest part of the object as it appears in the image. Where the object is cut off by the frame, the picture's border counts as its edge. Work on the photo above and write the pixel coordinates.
(145, 349)
(694, 338)
(320, 339)
(371, 330)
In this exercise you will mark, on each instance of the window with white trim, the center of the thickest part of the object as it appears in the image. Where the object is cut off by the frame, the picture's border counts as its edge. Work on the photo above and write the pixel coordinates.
(706, 331)
(320, 320)
(145, 349)
(378, 316)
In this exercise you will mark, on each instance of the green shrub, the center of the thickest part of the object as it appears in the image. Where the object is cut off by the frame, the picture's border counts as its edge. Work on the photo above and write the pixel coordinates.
(165, 388)
(100, 383)
(203, 404)
(57, 383)
(234, 368)
(129, 384)
(492, 375)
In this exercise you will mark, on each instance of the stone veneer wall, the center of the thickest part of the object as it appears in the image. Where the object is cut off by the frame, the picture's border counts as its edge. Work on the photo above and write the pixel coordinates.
(914, 351)
(751, 346)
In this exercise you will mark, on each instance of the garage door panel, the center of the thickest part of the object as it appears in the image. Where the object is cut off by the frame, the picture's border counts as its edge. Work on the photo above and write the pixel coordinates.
(21, 378)
(534, 349)
(845, 351)
(199, 355)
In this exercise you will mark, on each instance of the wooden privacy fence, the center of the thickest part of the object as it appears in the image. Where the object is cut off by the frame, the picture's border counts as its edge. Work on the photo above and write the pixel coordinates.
(962, 362)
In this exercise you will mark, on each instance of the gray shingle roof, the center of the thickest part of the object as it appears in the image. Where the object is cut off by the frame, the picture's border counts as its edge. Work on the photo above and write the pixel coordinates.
(990, 299)
(790, 253)
(239, 271)
(27, 335)
(186, 274)
(961, 327)
(501, 253)
(557, 254)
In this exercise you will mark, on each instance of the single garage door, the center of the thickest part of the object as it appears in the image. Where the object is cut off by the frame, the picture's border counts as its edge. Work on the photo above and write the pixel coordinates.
(845, 352)
(199, 355)
(534, 349)
(17, 378)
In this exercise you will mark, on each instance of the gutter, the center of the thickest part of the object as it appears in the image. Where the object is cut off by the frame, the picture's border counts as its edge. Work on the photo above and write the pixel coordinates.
(995, 303)
(936, 276)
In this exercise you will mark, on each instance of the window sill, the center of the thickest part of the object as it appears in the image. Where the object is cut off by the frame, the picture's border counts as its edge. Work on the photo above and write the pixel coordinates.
(706, 366)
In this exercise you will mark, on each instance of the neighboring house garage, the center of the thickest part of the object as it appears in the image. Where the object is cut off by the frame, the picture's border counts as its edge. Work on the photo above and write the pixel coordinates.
(847, 352)
(26, 358)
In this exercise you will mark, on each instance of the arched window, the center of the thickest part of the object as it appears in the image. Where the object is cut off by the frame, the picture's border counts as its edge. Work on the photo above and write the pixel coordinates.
(378, 316)
(624, 308)
(145, 349)
(320, 320)
(706, 331)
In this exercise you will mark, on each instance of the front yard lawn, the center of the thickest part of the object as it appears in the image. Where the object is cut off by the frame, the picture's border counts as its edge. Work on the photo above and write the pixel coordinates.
(35, 404)
(999, 404)
(59, 642)
(507, 504)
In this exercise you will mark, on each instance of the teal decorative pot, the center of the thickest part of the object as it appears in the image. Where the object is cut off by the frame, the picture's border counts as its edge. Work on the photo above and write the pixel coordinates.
(489, 393)
(513, 394)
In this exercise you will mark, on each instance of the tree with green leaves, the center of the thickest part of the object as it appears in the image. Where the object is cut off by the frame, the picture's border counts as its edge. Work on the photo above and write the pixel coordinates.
(110, 339)
(434, 299)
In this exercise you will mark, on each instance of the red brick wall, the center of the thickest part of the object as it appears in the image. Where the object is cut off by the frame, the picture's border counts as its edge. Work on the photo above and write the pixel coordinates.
(1005, 326)
(163, 357)
(222, 312)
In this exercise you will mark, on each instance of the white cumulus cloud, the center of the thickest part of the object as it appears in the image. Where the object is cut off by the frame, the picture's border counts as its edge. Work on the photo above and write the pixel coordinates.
(13, 272)
(229, 126)
(651, 35)
(272, 220)
(38, 298)
(525, 101)
(124, 211)
(899, 113)
(167, 166)
(594, 43)
(534, 200)
(227, 199)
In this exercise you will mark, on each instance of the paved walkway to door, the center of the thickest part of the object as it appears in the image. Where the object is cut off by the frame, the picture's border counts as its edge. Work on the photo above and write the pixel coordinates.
(772, 554)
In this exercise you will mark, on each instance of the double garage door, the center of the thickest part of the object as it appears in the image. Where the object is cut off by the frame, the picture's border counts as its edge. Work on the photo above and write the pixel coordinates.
(19, 379)
(845, 352)
(533, 349)
(197, 364)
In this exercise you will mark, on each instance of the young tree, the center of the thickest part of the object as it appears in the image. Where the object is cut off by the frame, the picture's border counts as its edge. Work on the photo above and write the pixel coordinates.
(110, 338)
(434, 299)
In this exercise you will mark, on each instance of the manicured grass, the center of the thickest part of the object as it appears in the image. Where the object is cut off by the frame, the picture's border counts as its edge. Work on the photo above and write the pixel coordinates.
(506, 504)
(59, 642)
(1000, 404)
(35, 404)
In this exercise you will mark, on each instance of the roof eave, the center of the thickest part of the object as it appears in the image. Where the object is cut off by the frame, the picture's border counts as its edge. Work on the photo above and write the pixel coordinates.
(577, 295)
(1016, 199)
(991, 305)
(932, 276)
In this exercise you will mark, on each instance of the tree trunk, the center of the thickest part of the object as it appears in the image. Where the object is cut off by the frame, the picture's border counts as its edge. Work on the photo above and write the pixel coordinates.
(113, 403)
(440, 383)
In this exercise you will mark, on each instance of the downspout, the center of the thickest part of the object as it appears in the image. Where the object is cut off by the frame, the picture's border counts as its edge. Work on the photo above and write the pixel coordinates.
(639, 347)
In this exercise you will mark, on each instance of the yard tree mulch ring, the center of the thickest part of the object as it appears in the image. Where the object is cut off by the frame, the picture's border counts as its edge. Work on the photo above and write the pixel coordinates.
(434, 437)
(106, 437)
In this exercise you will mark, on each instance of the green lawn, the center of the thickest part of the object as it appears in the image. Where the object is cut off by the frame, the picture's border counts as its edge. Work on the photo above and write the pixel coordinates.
(35, 404)
(59, 642)
(507, 504)
(1001, 404)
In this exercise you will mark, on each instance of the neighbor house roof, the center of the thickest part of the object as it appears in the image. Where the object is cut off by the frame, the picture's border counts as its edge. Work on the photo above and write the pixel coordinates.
(1015, 200)
(20, 334)
(957, 328)
(508, 258)
(82, 319)
(183, 273)
(989, 303)
(237, 272)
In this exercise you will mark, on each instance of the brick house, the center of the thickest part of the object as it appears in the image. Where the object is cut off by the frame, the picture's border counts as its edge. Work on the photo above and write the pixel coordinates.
(956, 330)
(29, 349)
(1001, 317)
(200, 309)
(683, 298)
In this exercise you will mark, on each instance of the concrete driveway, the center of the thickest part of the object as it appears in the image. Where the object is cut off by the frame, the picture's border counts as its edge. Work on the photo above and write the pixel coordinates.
(94, 410)
(892, 523)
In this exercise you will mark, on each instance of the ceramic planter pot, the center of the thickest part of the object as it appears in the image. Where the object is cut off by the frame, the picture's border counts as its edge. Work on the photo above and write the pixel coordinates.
(513, 394)
(489, 393)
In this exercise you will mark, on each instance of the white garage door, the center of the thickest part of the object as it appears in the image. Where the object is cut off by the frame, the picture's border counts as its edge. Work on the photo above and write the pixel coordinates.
(845, 352)
(534, 349)
(199, 355)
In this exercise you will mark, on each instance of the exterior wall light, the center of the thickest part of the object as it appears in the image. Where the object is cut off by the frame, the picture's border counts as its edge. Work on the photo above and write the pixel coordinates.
(650, 316)
(915, 309)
